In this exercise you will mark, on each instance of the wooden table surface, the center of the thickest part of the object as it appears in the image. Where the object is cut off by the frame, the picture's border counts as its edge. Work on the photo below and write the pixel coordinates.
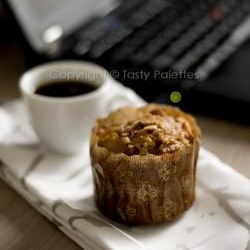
(22, 228)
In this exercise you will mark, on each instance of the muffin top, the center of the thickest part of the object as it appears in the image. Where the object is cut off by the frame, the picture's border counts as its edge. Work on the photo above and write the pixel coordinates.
(153, 129)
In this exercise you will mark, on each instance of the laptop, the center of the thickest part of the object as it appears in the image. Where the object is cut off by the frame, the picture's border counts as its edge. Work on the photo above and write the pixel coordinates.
(192, 54)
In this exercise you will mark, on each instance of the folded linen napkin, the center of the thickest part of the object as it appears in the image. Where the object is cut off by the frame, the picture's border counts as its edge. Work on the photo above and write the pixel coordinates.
(60, 187)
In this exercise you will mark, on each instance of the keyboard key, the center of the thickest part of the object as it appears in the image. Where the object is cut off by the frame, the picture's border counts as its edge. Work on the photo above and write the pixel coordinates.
(178, 47)
(160, 21)
(168, 56)
(109, 41)
(93, 32)
(147, 12)
(237, 38)
(209, 41)
(216, 13)
(146, 53)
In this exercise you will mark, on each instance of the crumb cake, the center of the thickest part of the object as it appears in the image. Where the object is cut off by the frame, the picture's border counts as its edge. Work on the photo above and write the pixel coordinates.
(144, 163)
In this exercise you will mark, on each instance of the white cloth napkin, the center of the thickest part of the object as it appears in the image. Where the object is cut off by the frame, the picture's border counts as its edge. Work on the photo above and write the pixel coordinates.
(61, 189)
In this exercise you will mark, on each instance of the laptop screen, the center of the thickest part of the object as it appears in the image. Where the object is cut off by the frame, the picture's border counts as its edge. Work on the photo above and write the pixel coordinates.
(46, 7)
(36, 16)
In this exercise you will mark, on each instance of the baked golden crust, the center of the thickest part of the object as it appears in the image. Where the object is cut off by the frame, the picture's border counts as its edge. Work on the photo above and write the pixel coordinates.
(155, 182)
(153, 129)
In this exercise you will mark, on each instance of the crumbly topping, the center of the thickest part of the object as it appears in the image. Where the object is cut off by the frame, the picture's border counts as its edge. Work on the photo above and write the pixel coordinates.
(153, 129)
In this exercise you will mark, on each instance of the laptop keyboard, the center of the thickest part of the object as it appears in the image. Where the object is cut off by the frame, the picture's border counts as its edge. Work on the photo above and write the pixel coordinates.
(161, 34)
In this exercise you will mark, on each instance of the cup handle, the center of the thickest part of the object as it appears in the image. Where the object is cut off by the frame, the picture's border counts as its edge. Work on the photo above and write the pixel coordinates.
(123, 97)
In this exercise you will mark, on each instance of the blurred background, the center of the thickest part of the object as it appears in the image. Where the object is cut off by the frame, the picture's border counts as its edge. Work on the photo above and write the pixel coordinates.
(193, 54)
(11, 57)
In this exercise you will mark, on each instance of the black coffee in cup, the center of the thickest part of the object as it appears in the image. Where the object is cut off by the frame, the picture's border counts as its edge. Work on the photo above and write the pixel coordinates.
(65, 88)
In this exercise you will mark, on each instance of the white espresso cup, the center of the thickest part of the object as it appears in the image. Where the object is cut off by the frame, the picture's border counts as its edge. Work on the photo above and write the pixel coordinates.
(63, 124)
